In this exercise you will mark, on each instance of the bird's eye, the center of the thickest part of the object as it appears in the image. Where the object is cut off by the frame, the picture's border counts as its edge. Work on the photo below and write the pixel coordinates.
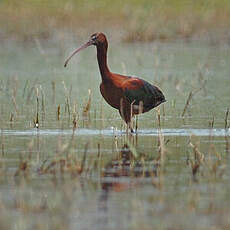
(93, 37)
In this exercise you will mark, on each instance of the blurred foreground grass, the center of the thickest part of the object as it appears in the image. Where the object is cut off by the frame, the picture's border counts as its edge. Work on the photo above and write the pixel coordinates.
(143, 20)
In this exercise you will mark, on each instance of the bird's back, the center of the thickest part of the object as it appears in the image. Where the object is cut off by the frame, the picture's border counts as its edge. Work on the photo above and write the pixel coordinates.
(138, 91)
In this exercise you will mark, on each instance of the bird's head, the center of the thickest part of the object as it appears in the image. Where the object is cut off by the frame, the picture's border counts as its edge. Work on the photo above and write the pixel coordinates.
(96, 39)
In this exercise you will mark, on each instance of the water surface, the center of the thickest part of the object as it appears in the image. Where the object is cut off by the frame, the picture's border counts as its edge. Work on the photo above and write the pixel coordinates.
(81, 170)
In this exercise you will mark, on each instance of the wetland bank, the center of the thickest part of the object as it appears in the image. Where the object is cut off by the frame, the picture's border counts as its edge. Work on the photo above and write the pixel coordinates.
(66, 161)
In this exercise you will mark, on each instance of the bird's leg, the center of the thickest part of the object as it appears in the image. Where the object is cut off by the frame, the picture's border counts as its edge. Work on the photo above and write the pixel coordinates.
(130, 117)
(126, 114)
(127, 129)
(129, 125)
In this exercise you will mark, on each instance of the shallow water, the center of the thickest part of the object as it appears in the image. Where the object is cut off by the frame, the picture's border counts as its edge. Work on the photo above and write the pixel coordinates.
(95, 176)
(114, 132)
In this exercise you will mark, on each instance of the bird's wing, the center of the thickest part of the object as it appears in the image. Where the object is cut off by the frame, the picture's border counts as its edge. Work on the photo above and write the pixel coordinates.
(139, 91)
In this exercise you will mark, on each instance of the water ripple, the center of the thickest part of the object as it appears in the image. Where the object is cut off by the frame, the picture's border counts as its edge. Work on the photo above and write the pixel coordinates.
(112, 132)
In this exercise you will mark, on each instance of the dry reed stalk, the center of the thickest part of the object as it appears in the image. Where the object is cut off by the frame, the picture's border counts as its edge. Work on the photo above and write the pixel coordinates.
(136, 124)
(67, 102)
(161, 153)
(14, 93)
(74, 116)
(131, 148)
(115, 143)
(43, 102)
(198, 159)
(15, 86)
(227, 144)
(58, 112)
(15, 104)
(2, 145)
(161, 147)
(81, 169)
(140, 107)
(226, 119)
(158, 117)
(67, 106)
(11, 119)
(227, 148)
(70, 93)
(30, 92)
(36, 120)
(211, 123)
(190, 96)
(24, 89)
(87, 106)
(163, 108)
(187, 103)
(98, 150)
(218, 166)
(95, 117)
(53, 83)
(98, 161)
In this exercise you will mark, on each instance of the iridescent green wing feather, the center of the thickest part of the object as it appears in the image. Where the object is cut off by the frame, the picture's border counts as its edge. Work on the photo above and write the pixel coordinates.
(137, 90)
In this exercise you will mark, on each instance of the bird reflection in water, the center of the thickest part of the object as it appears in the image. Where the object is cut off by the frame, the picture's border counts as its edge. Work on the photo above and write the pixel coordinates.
(125, 172)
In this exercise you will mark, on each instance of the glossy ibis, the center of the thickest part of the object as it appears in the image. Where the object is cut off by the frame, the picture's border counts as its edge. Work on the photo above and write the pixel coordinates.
(129, 95)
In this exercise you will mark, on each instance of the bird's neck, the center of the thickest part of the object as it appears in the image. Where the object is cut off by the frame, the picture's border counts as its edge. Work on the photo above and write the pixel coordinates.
(102, 62)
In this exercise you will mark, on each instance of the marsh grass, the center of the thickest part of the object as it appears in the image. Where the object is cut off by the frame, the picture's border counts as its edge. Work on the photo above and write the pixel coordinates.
(144, 20)
(211, 165)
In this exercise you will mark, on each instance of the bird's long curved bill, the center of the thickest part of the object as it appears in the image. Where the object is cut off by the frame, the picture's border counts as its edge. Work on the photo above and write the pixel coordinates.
(89, 43)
